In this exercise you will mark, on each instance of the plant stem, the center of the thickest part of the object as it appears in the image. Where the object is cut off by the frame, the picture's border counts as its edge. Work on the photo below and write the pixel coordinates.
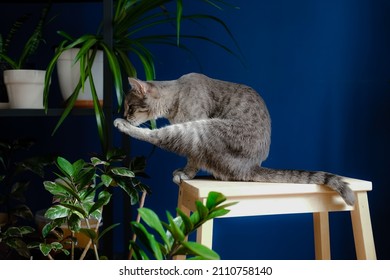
(90, 242)
(138, 219)
(72, 248)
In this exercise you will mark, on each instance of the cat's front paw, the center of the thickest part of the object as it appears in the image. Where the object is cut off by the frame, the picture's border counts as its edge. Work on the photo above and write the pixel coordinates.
(179, 175)
(121, 124)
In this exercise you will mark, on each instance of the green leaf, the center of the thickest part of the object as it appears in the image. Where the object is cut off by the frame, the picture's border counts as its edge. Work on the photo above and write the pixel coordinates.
(56, 246)
(174, 228)
(153, 221)
(13, 232)
(201, 250)
(78, 210)
(45, 249)
(131, 192)
(195, 218)
(103, 199)
(186, 221)
(106, 179)
(49, 227)
(26, 230)
(97, 161)
(147, 239)
(179, 14)
(74, 223)
(78, 166)
(65, 166)
(202, 210)
(214, 199)
(217, 213)
(138, 252)
(55, 188)
(123, 171)
(57, 211)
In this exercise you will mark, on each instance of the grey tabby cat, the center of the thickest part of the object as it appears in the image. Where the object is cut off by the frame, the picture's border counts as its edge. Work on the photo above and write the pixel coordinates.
(221, 127)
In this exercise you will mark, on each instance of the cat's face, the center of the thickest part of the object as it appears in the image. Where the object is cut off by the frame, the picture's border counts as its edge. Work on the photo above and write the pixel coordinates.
(136, 108)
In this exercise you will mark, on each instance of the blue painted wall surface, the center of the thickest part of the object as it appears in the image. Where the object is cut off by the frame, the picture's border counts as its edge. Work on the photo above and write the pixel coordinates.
(323, 68)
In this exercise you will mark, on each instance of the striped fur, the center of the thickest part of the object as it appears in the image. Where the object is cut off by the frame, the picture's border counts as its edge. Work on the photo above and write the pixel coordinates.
(221, 127)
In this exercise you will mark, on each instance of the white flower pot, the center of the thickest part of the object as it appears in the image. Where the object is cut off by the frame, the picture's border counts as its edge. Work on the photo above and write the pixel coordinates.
(69, 75)
(25, 88)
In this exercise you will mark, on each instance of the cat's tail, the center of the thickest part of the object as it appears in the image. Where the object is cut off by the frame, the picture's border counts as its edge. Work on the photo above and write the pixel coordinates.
(333, 181)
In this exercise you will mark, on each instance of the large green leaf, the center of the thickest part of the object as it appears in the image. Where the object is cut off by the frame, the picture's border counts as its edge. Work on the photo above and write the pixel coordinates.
(103, 199)
(200, 250)
(57, 211)
(55, 188)
(202, 210)
(147, 239)
(189, 226)
(106, 179)
(66, 190)
(65, 166)
(214, 199)
(153, 221)
(174, 228)
(123, 171)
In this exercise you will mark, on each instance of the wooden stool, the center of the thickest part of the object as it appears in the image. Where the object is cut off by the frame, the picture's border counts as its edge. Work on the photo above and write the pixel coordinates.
(271, 198)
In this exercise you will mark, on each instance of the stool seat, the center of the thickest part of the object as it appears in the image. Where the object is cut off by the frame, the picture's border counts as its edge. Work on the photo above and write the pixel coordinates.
(256, 198)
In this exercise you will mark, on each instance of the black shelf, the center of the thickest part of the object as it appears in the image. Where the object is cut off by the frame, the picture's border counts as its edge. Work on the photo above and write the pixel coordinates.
(41, 112)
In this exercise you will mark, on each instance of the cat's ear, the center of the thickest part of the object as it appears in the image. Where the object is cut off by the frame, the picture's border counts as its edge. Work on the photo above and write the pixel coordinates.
(144, 87)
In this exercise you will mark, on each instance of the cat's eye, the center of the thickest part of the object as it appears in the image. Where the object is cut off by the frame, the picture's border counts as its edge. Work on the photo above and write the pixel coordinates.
(142, 110)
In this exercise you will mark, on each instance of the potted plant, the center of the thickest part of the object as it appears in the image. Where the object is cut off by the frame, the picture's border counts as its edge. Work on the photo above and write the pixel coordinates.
(130, 19)
(80, 193)
(24, 86)
(14, 182)
(69, 75)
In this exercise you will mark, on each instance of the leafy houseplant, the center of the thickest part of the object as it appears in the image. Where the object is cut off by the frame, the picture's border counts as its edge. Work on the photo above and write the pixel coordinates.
(80, 193)
(17, 77)
(82, 190)
(130, 19)
(13, 185)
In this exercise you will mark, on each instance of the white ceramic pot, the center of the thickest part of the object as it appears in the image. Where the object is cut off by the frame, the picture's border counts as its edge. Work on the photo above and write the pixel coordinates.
(25, 88)
(69, 75)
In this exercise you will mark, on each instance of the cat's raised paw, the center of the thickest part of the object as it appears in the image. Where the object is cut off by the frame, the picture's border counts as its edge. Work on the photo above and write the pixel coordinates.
(122, 124)
(119, 122)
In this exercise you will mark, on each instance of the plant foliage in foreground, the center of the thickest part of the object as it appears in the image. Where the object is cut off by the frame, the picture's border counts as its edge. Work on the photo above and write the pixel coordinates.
(164, 240)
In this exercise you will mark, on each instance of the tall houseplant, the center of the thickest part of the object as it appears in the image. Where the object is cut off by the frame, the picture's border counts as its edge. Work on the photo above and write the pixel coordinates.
(130, 19)
(24, 86)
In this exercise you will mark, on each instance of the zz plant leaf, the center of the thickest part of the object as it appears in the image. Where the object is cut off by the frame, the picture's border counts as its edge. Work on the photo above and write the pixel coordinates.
(174, 241)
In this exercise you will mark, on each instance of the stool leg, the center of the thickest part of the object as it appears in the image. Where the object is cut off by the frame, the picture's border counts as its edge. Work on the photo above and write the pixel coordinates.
(321, 235)
(362, 231)
(204, 235)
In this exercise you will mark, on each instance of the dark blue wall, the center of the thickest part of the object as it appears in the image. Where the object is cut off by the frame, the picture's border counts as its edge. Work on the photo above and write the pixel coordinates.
(323, 69)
